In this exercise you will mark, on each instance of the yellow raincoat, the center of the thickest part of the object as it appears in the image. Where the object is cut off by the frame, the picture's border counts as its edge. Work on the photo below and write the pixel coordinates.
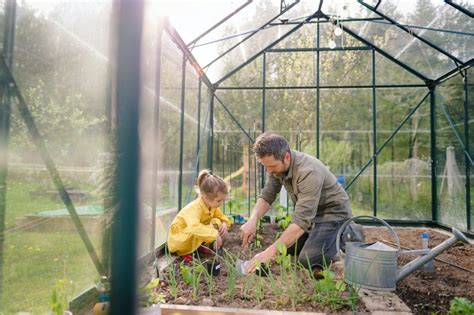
(195, 224)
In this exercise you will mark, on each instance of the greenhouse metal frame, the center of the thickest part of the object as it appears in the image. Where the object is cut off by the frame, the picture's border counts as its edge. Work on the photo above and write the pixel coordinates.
(124, 114)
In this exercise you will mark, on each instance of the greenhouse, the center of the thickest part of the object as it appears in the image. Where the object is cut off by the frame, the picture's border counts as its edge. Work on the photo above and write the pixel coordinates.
(111, 109)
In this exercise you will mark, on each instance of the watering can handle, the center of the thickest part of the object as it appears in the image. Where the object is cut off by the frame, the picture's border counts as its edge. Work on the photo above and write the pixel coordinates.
(343, 227)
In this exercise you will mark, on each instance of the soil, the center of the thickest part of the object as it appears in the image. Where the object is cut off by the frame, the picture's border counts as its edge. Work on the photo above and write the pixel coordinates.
(426, 292)
(423, 292)
(253, 291)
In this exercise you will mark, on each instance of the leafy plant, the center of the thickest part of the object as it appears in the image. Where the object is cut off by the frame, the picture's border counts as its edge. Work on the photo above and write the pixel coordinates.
(284, 221)
(192, 275)
(150, 295)
(59, 301)
(461, 306)
(331, 291)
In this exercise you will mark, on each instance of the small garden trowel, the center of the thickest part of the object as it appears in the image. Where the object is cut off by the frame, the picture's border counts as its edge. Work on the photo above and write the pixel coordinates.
(240, 266)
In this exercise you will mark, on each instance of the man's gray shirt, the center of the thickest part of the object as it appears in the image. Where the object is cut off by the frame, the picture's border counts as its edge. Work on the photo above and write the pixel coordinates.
(314, 190)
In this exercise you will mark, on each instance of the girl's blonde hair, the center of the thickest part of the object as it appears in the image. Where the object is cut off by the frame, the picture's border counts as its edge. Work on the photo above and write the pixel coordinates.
(209, 184)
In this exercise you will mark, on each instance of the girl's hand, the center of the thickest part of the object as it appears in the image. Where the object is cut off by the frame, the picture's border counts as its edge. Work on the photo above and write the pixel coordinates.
(223, 230)
(218, 242)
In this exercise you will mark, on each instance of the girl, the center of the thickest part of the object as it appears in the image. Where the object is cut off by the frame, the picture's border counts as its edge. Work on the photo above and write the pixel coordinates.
(201, 221)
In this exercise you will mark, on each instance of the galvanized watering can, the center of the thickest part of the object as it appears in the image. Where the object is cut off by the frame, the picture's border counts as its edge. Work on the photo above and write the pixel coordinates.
(374, 265)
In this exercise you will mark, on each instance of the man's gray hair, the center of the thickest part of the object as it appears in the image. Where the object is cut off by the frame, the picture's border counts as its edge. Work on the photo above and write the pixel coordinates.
(270, 144)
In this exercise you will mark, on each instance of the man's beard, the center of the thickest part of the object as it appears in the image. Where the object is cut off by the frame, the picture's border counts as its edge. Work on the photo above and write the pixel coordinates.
(278, 174)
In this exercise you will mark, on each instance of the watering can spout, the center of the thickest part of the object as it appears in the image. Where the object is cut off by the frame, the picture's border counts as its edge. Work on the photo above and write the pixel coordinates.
(420, 261)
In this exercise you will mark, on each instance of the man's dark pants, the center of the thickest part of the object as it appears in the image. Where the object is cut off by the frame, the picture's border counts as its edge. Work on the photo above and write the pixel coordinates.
(318, 247)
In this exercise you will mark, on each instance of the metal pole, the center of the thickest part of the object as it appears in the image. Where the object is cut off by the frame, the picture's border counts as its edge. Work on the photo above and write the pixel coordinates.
(181, 135)
(125, 228)
(198, 148)
(374, 126)
(318, 92)
(264, 75)
(434, 189)
(467, 162)
(210, 140)
(248, 175)
(156, 138)
(5, 112)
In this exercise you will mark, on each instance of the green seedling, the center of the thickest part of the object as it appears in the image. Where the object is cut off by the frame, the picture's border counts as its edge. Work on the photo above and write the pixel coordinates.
(170, 277)
(461, 306)
(230, 261)
(150, 295)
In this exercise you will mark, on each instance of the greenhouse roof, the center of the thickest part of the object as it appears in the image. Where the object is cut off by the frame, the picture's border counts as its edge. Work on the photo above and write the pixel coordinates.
(442, 37)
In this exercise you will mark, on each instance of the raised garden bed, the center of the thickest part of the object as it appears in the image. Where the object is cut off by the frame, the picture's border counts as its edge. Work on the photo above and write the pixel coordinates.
(285, 287)
(297, 290)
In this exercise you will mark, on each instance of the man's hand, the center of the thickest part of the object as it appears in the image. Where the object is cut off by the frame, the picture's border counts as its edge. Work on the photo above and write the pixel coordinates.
(223, 230)
(261, 258)
(248, 232)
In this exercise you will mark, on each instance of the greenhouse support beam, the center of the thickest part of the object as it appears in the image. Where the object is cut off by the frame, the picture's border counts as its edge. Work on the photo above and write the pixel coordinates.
(184, 48)
(381, 51)
(466, 136)
(191, 43)
(323, 87)
(251, 34)
(460, 8)
(374, 136)
(317, 49)
(434, 185)
(210, 139)
(181, 134)
(318, 21)
(318, 91)
(392, 135)
(264, 81)
(255, 56)
(123, 299)
(198, 146)
(410, 32)
(156, 135)
(49, 163)
(264, 76)
(234, 119)
(5, 115)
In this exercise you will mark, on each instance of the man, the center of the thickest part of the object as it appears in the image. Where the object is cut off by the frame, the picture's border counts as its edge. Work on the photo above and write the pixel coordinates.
(321, 204)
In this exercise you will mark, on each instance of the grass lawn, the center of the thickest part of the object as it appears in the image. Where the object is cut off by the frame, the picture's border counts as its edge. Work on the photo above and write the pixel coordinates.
(34, 262)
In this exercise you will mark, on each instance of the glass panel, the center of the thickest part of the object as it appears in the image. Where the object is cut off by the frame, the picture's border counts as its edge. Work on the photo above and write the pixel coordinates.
(403, 168)
(244, 51)
(204, 121)
(346, 141)
(346, 68)
(190, 135)
(245, 106)
(439, 23)
(302, 65)
(148, 131)
(387, 72)
(234, 161)
(61, 69)
(451, 140)
(249, 76)
(450, 175)
(404, 47)
(169, 124)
